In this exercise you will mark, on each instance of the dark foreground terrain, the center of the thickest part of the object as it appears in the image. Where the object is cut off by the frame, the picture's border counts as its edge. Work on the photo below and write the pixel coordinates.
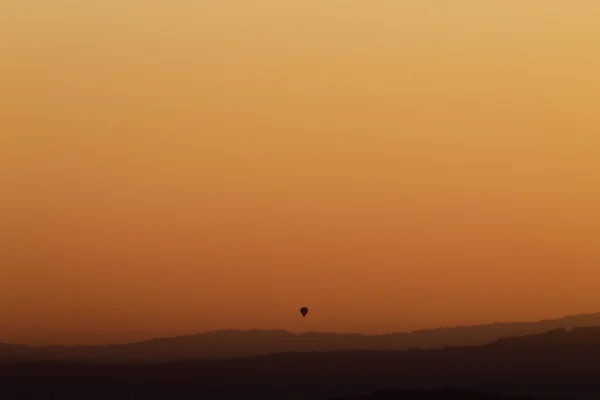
(558, 364)
(439, 394)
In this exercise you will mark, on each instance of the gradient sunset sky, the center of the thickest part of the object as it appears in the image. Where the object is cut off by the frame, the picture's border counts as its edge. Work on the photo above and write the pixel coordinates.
(177, 166)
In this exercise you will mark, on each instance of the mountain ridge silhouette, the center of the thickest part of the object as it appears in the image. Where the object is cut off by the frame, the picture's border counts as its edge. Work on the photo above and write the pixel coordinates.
(229, 343)
(559, 364)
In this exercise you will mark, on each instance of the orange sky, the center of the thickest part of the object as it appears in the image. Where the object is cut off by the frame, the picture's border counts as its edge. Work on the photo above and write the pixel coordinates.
(174, 166)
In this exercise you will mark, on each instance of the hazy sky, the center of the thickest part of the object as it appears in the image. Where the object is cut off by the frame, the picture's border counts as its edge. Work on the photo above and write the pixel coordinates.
(174, 166)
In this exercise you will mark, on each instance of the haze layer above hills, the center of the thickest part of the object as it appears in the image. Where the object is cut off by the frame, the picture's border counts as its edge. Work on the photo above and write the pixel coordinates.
(227, 344)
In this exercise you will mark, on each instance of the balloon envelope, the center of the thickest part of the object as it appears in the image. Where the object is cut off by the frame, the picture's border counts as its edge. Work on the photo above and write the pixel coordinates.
(304, 311)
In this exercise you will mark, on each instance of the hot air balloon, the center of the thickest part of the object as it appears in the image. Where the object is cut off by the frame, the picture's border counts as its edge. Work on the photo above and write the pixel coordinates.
(304, 311)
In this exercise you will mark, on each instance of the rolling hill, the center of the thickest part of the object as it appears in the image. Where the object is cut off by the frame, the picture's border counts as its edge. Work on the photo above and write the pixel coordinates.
(229, 343)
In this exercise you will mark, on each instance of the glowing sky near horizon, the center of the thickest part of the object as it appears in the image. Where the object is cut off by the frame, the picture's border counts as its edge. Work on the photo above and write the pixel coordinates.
(177, 166)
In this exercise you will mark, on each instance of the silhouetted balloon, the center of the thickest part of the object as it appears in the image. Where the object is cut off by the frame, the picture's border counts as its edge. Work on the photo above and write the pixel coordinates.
(304, 311)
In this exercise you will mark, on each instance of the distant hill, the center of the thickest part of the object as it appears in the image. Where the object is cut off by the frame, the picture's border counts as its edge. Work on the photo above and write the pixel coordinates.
(229, 343)
(559, 364)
